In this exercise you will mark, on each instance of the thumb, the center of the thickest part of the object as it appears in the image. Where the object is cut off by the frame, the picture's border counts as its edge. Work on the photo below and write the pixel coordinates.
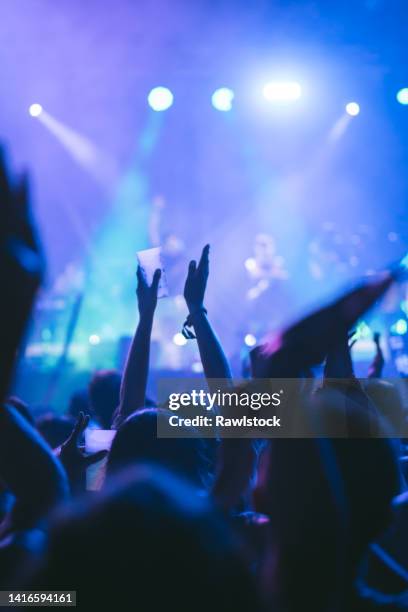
(156, 279)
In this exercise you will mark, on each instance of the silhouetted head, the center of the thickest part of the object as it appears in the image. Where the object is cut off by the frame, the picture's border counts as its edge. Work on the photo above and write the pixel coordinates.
(137, 441)
(104, 391)
(55, 429)
(79, 402)
(148, 542)
(22, 408)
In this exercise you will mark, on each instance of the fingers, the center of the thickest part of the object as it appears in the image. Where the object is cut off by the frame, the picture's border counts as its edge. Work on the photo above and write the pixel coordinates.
(141, 277)
(204, 259)
(95, 457)
(192, 266)
(79, 428)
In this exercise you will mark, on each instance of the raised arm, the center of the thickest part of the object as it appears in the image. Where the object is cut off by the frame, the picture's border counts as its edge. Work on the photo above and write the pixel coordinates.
(235, 458)
(134, 381)
(213, 358)
(377, 365)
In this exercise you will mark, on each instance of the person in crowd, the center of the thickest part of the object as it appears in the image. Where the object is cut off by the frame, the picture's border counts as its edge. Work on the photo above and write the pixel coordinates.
(104, 389)
(54, 428)
(147, 542)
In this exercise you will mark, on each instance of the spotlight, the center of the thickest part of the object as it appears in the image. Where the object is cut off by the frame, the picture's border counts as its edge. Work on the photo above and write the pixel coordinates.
(179, 339)
(160, 99)
(35, 110)
(250, 264)
(222, 99)
(352, 109)
(250, 340)
(282, 91)
(402, 96)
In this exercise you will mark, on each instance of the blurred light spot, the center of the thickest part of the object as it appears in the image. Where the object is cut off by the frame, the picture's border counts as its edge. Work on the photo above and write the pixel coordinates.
(160, 99)
(353, 261)
(392, 236)
(94, 339)
(400, 327)
(250, 264)
(179, 339)
(363, 330)
(197, 367)
(402, 96)
(282, 91)
(352, 109)
(35, 110)
(222, 99)
(250, 340)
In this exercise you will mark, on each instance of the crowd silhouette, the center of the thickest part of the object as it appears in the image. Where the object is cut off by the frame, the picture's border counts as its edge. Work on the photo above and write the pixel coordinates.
(188, 523)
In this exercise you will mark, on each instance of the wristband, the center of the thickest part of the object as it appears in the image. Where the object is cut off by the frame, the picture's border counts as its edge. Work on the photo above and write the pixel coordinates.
(188, 325)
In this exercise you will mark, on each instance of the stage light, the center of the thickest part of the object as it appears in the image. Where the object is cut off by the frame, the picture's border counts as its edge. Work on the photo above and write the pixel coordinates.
(179, 339)
(400, 327)
(35, 110)
(250, 340)
(94, 339)
(160, 99)
(282, 91)
(250, 264)
(352, 109)
(222, 99)
(402, 96)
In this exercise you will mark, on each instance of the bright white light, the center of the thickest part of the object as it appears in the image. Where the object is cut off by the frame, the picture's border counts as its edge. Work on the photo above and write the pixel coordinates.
(94, 339)
(160, 99)
(282, 91)
(250, 340)
(402, 96)
(179, 339)
(35, 110)
(250, 264)
(222, 99)
(352, 109)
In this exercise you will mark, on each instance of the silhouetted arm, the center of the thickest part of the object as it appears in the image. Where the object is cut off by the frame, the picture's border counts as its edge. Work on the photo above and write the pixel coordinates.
(377, 365)
(213, 358)
(134, 381)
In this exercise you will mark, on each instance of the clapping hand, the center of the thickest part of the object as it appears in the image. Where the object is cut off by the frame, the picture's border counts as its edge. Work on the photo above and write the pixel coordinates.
(147, 295)
(196, 282)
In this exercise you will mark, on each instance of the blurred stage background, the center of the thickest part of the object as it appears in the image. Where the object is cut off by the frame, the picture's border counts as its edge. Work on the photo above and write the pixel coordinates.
(297, 199)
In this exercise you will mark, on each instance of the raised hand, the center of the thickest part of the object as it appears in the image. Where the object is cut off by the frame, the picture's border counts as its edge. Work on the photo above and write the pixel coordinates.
(21, 268)
(147, 296)
(72, 455)
(196, 282)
